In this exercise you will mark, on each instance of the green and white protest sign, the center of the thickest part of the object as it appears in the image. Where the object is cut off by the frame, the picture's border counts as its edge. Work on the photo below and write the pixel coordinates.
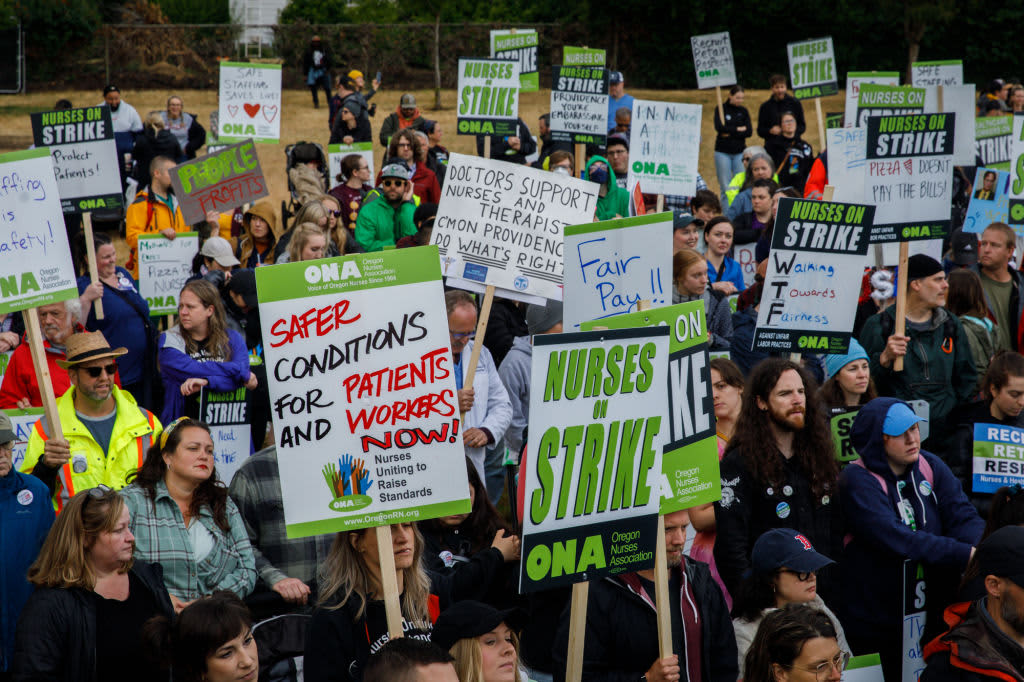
(998, 457)
(579, 105)
(947, 72)
(220, 181)
(35, 259)
(502, 224)
(227, 415)
(488, 97)
(690, 474)
(992, 141)
(665, 140)
(885, 100)
(362, 391)
(337, 152)
(597, 428)
(164, 267)
(866, 668)
(22, 422)
(85, 161)
(817, 255)
(612, 265)
(842, 427)
(249, 102)
(914, 615)
(519, 46)
(1017, 172)
(854, 81)
(812, 68)
(712, 60)
(583, 56)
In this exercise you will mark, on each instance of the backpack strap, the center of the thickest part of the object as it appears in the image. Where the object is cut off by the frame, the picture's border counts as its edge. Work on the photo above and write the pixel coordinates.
(881, 481)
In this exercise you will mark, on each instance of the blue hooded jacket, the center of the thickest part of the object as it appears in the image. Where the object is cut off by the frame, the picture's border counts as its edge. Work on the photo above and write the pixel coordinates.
(947, 524)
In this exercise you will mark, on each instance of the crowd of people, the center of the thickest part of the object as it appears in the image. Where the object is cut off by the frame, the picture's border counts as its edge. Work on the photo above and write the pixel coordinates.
(124, 554)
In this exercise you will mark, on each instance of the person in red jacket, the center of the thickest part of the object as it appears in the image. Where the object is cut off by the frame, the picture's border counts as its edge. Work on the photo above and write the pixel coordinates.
(406, 145)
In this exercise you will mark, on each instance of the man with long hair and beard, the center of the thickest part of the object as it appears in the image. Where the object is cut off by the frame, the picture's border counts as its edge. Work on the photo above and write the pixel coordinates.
(779, 471)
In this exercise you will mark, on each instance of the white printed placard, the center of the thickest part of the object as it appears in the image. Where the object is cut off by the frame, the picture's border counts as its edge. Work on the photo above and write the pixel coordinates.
(664, 144)
(854, 79)
(362, 391)
(612, 265)
(712, 59)
(22, 422)
(35, 259)
(249, 102)
(946, 72)
(164, 266)
(336, 153)
(502, 224)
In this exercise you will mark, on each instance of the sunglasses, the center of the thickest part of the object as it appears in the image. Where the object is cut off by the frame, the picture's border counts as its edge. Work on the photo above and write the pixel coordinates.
(336, 214)
(391, 183)
(95, 372)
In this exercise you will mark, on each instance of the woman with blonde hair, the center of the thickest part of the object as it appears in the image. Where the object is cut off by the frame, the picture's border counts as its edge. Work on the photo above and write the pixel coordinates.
(340, 239)
(482, 640)
(83, 621)
(200, 351)
(350, 622)
(308, 242)
(313, 211)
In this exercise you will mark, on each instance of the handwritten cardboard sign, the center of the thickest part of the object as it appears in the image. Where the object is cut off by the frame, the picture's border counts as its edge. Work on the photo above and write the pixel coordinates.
(712, 60)
(35, 260)
(579, 104)
(943, 72)
(221, 181)
(85, 161)
(519, 45)
(22, 422)
(488, 97)
(249, 102)
(227, 414)
(665, 140)
(164, 267)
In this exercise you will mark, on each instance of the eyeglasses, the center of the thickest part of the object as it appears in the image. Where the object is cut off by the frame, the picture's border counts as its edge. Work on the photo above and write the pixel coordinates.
(95, 372)
(363, 168)
(462, 335)
(336, 214)
(392, 183)
(802, 576)
(824, 669)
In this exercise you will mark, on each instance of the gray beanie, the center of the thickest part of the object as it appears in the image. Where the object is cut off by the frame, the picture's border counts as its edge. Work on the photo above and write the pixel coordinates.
(540, 318)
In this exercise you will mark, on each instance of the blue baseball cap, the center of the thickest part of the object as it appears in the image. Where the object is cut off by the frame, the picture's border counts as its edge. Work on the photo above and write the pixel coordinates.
(899, 418)
(786, 548)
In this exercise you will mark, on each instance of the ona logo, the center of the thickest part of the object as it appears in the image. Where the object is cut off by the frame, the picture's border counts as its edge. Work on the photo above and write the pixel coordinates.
(813, 342)
(650, 168)
(917, 231)
(476, 127)
(348, 481)
(521, 282)
(238, 129)
(328, 272)
(708, 72)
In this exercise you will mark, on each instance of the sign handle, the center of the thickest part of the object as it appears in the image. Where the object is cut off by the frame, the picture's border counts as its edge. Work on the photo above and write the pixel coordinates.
(90, 252)
(822, 137)
(721, 111)
(481, 330)
(901, 301)
(578, 631)
(661, 598)
(660, 206)
(487, 146)
(38, 353)
(581, 157)
(938, 92)
(389, 581)
(828, 193)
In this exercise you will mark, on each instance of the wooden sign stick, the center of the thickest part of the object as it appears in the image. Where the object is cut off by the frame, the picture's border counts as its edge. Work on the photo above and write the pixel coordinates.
(901, 301)
(38, 353)
(389, 580)
(581, 158)
(577, 632)
(90, 252)
(478, 339)
(661, 597)
(487, 146)
(660, 205)
(822, 137)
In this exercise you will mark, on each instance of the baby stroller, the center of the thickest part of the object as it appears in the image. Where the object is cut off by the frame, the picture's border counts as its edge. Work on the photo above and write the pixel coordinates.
(296, 154)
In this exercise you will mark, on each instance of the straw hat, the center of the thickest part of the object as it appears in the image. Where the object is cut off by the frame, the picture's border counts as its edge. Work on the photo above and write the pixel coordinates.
(87, 346)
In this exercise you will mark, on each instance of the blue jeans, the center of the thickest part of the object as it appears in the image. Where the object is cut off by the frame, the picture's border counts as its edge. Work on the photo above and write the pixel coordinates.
(494, 471)
(726, 166)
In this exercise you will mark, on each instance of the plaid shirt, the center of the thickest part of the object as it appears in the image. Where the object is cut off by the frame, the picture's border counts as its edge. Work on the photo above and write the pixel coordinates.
(256, 489)
(161, 537)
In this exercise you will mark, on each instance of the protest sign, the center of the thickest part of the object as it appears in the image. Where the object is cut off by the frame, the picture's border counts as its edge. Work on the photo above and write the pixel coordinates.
(745, 255)
(998, 457)
(583, 56)
(663, 147)
(712, 60)
(812, 68)
(22, 422)
(488, 97)
(834, 119)
(249, 102)
(989, 202)
(219, 182)
(817, 255)
(1016, 202)
(959, 100)
(5, 360)
(579, 105)
(884, 100)
(842, 425)
(362, 391)
(594, 456)
(519, 45)
(337, 152)
(85, 160)
(501, 224)
(909, 175)
(690, 474)
(854, 81)
(227, 414)
(867, 668)
(992, 143)
(948, 72)
(914, 614)
(164, 266)
(612, 265)
(35, 260)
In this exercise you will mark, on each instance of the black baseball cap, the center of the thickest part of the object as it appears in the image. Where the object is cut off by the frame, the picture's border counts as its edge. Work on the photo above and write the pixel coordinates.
(965, 248)
(1002, 554)
(243, 283)
(110, 88)
(786, 548)
(468, 619)
(682, 218)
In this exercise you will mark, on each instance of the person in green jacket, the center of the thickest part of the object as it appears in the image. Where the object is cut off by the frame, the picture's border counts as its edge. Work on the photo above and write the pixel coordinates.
(612, 200)
(383, 222)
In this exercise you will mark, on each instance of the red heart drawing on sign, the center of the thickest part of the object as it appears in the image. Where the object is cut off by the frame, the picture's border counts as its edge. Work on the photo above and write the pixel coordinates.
(270, 113)
(233, 110)
(251, 109)
(909, 165)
